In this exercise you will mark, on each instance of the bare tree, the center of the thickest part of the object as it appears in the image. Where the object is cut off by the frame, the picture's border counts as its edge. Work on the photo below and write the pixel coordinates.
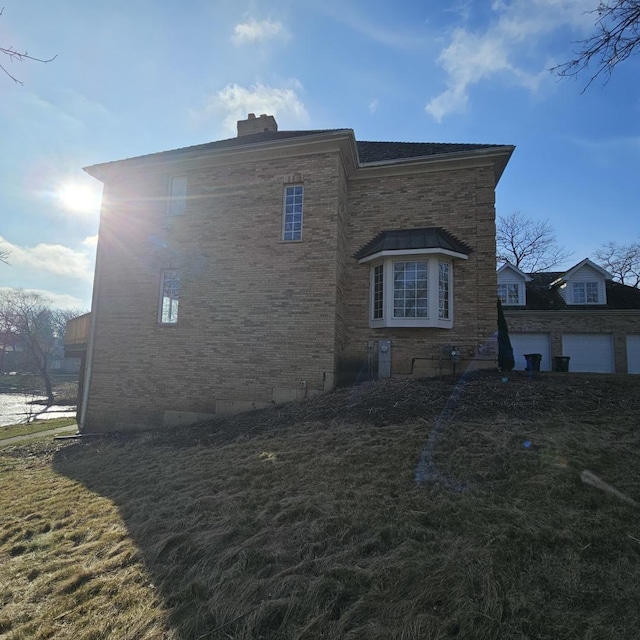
(28, 320)
(528, 244)
(616, 37)
(622, 261)
(14, 55)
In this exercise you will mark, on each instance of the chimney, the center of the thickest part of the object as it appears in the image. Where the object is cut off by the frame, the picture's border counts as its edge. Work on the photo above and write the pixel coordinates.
(256, 125)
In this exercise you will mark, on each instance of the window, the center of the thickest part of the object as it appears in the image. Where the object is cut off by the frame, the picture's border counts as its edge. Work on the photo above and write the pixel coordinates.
(443, 291)
(292, 218)
(585, 293)
(411, 293)
(178, 195)
(169, 293)
(509, 293)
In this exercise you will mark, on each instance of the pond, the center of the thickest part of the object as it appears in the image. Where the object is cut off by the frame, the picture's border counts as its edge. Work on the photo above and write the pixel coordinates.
(15, 408)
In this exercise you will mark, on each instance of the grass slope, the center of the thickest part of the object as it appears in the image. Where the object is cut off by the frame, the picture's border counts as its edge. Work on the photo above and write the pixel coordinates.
(305, 521)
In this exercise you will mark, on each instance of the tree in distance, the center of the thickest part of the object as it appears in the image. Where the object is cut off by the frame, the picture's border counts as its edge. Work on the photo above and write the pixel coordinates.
(528, 244)
(622, 261)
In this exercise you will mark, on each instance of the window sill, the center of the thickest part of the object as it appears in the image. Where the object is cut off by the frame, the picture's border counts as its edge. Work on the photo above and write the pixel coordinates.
(408, 323)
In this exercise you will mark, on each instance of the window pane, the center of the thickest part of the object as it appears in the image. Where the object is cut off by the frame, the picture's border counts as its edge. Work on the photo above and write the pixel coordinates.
(377, 292)
(579, 295)
(292, 221)
(592, 292)
(170, 294)
(443, 291)
(502, 293)
(410, 289)
(178, 195)
(513, 294)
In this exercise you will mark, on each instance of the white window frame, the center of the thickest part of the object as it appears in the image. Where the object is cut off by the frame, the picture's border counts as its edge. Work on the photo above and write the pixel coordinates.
(290, 214)
(177, 204)
(583, 288)
(509, 288)
(385, 266)
(169, 307)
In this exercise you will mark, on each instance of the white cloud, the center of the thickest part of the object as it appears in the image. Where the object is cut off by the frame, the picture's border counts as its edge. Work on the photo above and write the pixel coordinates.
(90, 241)
(234, 102)
(472, 56)
(373, 106)
(254, 31)
(50, 259)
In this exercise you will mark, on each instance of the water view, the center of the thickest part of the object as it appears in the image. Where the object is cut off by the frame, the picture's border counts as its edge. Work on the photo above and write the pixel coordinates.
(15, 408)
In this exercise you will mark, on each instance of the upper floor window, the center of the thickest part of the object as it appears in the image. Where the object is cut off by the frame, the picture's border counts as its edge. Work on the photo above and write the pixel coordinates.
(586, 293)
(177, 195)
(509, 293)
(292, 213)
(169, 297)
(411, 293)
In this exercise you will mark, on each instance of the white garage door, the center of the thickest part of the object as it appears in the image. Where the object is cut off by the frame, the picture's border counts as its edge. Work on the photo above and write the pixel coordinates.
(633, 354)
(531, 343)
(591, 352)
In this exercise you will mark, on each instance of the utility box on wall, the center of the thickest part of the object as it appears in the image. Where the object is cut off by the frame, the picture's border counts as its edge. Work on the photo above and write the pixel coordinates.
(384, 358)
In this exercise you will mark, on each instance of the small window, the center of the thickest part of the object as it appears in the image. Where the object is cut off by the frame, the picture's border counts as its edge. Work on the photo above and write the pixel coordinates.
(443, 291)
(585, 293)
(509, 293)
(378, 295)
(169, 294)
(178, 195)
(410, 289)
(292, 218)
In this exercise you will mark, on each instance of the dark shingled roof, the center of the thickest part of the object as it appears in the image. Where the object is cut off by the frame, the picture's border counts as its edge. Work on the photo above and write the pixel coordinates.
(542, 298)
(380, 151)
(397, 240)
(367, 151)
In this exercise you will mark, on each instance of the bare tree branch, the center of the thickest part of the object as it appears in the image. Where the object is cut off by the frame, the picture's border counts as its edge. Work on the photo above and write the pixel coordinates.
(622, 261)
(4, 254)
(528, 244)
(18, 56)
(616, 38)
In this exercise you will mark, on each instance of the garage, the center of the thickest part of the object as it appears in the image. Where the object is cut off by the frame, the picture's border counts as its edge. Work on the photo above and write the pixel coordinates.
(589, 352)
(633, 354)
(531, 343)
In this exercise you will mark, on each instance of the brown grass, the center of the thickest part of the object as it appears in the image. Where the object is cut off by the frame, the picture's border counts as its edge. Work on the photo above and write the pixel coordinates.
(306, 521)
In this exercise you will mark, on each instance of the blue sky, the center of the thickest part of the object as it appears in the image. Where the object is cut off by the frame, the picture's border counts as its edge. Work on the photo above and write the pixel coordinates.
(138, 76)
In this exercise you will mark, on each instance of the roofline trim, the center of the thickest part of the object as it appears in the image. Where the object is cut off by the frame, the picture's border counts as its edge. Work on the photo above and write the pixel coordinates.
(413, 252)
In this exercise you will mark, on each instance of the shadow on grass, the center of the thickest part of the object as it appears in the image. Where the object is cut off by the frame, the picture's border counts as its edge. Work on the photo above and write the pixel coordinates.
(320, 532)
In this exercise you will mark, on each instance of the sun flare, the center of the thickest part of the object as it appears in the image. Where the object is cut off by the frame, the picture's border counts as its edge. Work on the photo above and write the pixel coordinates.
(79, 198)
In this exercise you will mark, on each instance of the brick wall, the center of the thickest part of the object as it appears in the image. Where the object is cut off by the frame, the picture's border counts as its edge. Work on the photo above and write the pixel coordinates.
(262, 320)
(461, 201)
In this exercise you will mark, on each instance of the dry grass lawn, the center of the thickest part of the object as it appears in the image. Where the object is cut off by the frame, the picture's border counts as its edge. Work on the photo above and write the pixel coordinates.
(306, 521)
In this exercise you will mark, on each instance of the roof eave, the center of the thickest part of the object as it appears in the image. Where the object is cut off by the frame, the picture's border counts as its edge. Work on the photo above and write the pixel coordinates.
(104, 170)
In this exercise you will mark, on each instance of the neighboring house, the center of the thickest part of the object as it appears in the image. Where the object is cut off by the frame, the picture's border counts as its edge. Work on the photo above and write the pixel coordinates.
(272, 266)
(580, 313)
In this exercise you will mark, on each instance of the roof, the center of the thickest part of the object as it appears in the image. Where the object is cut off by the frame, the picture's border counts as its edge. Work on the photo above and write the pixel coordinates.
(408, 239)
(541, 296)
(369, 152)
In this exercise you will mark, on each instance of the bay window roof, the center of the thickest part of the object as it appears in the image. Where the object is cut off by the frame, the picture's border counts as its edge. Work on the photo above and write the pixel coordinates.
(408, 241)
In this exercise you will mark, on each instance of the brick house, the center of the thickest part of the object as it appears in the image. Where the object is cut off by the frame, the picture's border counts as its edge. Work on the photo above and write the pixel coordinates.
(277, 264)
(580, 313)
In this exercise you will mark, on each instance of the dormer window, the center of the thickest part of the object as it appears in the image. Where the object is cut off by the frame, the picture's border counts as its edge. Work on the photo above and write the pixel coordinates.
(585, 293)
(509, 294)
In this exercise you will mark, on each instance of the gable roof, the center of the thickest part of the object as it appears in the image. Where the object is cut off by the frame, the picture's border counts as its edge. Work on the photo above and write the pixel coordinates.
(507, 265)
(586, 263)
(412, 239)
